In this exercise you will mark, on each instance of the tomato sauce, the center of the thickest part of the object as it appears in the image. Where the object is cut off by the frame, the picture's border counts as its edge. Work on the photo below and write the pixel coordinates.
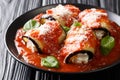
(98, 61)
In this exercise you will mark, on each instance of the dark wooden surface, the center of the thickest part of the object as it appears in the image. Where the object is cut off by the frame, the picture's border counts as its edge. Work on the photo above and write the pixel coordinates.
(10, 69)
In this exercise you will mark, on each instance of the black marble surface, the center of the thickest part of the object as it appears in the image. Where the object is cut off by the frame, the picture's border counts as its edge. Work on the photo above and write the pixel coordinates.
(10, 69)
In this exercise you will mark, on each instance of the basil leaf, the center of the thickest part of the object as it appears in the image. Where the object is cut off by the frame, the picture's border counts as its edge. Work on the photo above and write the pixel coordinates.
(31, 24)
(77, 24)
(50, 61)
(107, 43)
(66, 29)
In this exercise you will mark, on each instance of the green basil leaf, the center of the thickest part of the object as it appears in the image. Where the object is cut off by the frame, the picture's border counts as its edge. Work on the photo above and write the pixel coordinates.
(77, 24)
(107, 43)
(66, 29)
(31, 24)
(50, 61)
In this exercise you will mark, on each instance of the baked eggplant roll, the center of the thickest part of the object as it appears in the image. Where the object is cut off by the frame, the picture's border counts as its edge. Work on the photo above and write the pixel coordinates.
(96, 19)
(80, 45)
(64, 14)
(46, 38)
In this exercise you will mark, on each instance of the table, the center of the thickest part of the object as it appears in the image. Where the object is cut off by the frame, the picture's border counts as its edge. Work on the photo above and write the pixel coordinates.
(10, 69)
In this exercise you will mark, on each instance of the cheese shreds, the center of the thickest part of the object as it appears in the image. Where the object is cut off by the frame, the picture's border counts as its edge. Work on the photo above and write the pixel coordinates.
(91, 17)
(60, 11)
(44, 29)
(78, 35)
(76, 38)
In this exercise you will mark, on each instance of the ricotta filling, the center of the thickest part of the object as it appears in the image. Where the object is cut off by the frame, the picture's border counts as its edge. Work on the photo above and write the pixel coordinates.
(100, 34)
(80, 58)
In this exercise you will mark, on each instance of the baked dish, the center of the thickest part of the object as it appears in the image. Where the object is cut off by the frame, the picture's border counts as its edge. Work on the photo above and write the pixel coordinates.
(68, 39)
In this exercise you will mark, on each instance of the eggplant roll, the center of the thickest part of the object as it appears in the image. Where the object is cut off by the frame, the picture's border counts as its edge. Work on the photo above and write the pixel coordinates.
(96, 19)
(45, 39)
(80, 45)
(64, 14)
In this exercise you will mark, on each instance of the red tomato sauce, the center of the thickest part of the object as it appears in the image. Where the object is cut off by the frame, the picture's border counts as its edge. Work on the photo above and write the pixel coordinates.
(99, 60)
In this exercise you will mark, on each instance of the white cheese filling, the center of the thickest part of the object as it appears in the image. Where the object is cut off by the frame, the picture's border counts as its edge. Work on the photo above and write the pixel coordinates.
(80, 58)
(100, 34)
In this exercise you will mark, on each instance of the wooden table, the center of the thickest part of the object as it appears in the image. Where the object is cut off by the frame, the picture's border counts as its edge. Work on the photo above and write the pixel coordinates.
(10, 69)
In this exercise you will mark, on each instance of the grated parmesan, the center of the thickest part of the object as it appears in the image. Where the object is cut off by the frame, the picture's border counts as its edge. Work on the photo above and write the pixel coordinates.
(44, 29)
(91, 17)
(60, 11)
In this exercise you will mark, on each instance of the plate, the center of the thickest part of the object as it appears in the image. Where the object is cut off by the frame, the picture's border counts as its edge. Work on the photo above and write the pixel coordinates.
(20, 21)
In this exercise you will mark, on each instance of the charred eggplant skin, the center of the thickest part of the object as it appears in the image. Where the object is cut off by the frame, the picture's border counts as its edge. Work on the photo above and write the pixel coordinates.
(89, 53)
(36, 45)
